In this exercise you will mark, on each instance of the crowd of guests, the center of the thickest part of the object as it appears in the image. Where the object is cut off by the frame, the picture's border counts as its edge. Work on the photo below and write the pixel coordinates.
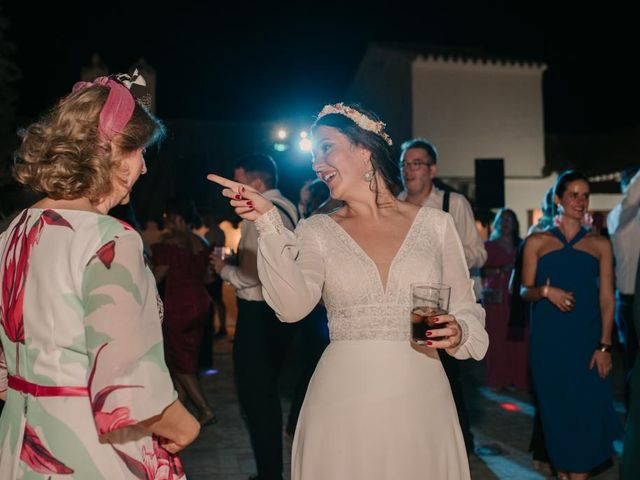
(132, 315)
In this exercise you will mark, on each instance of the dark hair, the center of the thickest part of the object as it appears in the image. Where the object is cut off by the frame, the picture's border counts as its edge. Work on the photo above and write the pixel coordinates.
(186, 210)
(423, 144)
(262, 166)
(381, 156)
(626, 175)
(319, 193)
(497, 226)
(565, 179)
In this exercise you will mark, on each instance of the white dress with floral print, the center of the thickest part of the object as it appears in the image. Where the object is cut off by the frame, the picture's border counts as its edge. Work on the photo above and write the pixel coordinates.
(79, 308)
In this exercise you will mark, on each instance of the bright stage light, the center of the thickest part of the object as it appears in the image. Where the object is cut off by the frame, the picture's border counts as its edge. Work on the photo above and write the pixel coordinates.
(281, 134)
(303, 134)
(305, 144)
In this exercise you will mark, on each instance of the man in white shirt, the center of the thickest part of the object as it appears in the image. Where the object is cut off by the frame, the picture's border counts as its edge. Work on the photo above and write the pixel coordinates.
(623, 223)
(260, 339)
(418, 163)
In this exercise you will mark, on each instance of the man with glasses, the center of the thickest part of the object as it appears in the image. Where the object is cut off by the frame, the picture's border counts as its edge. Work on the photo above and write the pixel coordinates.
(418, 162)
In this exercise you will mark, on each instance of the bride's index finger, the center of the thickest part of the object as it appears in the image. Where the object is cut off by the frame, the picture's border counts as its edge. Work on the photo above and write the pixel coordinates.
(225, 182)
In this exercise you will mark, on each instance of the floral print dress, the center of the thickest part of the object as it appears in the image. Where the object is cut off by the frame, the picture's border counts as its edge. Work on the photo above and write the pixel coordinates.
(81, 353)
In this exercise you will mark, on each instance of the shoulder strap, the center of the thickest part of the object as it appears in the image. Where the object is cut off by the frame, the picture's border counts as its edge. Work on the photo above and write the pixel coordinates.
(558, 234)
(581, 233)
(286, 214)
(445, 201)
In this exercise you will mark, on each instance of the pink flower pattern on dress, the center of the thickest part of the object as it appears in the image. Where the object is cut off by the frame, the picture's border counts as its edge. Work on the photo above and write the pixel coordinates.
(156, 464)
(20, 256)
(15, 267)
(117, 418)
(38, 457)
(107, 253)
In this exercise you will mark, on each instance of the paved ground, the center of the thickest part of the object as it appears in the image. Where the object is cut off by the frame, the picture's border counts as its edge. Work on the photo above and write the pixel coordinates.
(501, 423)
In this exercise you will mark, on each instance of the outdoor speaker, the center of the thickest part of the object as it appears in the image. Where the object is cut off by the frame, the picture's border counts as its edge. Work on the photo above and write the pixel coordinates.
(489, 183)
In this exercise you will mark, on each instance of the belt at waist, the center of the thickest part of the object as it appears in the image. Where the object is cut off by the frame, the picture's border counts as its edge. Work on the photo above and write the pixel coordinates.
(21, 385)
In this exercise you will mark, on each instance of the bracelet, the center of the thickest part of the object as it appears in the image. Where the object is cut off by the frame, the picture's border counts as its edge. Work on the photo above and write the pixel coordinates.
(544, 291)
(603, 347)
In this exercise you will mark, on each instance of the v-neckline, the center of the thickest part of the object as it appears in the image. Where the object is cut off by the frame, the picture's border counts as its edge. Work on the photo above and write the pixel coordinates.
(362, 252)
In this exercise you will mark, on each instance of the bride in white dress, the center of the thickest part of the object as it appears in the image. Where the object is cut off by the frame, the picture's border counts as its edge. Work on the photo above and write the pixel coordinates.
(378, 406)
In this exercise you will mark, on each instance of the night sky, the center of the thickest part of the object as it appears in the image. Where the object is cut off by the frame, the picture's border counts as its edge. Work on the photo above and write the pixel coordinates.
(234, 61)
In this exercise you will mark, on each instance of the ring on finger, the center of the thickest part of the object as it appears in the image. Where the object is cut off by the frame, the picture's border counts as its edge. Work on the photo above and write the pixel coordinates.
(567, 302)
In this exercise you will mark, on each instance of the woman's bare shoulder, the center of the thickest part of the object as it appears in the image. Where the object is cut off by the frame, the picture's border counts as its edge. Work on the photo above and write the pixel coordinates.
(599, 242)
(539, 238)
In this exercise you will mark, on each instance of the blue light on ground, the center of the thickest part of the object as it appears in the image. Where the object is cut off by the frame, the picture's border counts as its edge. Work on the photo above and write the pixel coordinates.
(209, 372)
(617, 446)
(504, 468)
(493, 455)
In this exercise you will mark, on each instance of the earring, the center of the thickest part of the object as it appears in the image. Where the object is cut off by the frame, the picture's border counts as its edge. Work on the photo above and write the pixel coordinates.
(368, 175)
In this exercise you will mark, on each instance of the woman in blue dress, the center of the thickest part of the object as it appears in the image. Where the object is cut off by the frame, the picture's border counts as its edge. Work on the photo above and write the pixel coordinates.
(568, 277)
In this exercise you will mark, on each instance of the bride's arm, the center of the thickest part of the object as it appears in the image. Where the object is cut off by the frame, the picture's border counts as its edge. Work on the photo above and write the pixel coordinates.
(290, 266)
(469, 314)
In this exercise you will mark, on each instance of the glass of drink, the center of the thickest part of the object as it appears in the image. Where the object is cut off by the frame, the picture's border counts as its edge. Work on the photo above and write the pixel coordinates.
(428, 300)
(221, 252)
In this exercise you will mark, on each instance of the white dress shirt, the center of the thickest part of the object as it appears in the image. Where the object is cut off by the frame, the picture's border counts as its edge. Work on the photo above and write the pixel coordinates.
(460, 209)
(244, 276)
(623, 223)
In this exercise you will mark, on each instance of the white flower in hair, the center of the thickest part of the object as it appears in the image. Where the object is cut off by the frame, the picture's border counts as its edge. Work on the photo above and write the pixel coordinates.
(358, 118)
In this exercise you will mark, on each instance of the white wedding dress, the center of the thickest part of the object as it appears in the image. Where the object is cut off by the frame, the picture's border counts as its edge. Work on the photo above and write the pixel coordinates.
(376, 408)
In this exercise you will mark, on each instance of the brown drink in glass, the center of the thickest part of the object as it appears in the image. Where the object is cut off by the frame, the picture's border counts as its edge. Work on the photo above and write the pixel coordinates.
(428, 301)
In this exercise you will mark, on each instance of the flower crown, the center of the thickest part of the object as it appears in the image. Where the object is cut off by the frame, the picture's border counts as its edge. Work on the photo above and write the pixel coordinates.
(358, 118)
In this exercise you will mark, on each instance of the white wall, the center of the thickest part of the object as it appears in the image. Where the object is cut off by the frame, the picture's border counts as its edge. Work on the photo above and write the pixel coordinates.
(474, 110)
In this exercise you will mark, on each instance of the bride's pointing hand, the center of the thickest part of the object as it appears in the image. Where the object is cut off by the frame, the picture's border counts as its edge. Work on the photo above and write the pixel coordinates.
(247, 201)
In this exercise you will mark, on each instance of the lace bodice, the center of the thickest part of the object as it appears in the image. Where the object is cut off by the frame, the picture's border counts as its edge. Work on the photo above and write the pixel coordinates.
(321, 259)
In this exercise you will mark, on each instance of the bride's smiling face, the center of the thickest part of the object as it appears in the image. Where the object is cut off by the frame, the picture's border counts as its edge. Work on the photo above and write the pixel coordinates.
(338, 162)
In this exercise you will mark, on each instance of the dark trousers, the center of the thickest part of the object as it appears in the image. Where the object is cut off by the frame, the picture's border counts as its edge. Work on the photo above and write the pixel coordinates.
(205, 354)
(452, 369)
(258, 351)
(313, 338)
(627, 336)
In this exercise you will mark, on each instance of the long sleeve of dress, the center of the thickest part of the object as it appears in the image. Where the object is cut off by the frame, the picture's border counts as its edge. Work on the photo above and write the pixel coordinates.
(290, 266)
(128, 380)
(469, 314)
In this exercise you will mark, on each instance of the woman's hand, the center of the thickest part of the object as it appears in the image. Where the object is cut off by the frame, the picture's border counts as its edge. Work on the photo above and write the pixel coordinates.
(216, 263)
(175, 444)
(602, 360)
(175, 427)
(448, 336)
(248, 202)
(562, 299)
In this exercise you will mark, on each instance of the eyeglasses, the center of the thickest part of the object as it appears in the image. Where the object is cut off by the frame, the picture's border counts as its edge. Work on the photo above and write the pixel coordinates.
(414, 165)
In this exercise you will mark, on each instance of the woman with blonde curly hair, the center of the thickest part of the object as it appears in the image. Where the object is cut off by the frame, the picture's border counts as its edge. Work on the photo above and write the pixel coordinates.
(87, 391)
